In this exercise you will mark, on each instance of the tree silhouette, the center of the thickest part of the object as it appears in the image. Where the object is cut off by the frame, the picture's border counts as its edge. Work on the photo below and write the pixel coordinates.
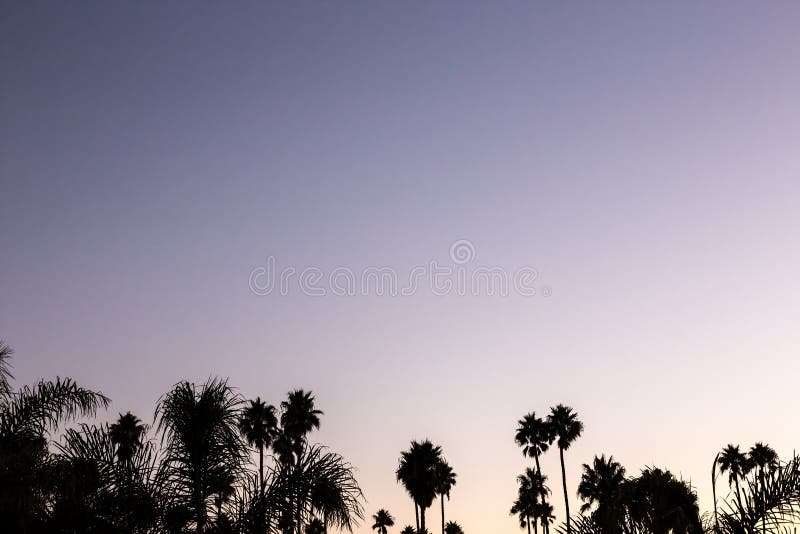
(764, 458)
(258, 423)
(382, 520)
(602, 486)
(445, 479)
(416, 471)
(567, 428)
(203, 446)
(453, 528)
(735, 463)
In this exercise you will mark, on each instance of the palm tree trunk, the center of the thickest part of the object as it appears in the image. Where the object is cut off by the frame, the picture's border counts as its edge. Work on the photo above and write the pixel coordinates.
(564, 482)
(763, 503)
(416, 513)
(529, 523)
(261, 470)
(422, 520)
(441, 498)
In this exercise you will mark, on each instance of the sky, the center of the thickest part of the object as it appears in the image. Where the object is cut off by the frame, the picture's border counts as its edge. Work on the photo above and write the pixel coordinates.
(642, 160)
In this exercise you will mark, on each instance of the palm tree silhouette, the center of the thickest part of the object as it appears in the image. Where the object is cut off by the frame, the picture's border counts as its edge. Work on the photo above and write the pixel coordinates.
(200, 432)
(567, 428)
(735, 463)
(535, 436)
(602, 485)
(258, 424)
(445, 479)
(408, 529)
(544, 511)
(453, 528)
(532, 490)
(382, 520)
(127, 434)
(298, 418)
(416, 471)
(764, 458)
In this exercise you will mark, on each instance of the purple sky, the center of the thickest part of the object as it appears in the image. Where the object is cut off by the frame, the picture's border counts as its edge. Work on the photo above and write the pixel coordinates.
(644, 159)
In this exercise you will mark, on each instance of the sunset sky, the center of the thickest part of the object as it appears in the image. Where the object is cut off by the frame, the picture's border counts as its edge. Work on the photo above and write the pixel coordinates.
(644, 159)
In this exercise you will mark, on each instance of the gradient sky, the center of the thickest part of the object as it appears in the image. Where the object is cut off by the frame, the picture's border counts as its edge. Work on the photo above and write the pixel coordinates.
(645, 159)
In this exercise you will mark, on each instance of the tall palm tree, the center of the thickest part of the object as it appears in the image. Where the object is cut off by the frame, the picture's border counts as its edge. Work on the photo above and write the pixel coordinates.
(735, 463)
(602, 485)
(567, 428)
(416, 471)
(258, 424)
(453, 528)
(202, 444)
(535, 436)
(445, 479)
(382, 520)
(299, 417)
(764, 458)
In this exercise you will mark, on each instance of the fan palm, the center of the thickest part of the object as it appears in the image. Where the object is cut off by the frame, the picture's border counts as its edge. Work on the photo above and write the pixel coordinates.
(602, 485)
(202, 444)
(764, 458)
(416, 471)
(535, 436)
(735, 463)
(445, 479)
(408, 529)
(126, 434)
(567, 428)
(382, 520)
(299, 417)
(258, 424)
(453, 528)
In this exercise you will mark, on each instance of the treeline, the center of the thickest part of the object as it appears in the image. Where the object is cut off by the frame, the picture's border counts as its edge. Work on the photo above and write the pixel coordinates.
(764, 491)
(191, 472)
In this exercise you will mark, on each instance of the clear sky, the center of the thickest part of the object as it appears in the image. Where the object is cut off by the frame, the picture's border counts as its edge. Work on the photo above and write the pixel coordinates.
(644, 159)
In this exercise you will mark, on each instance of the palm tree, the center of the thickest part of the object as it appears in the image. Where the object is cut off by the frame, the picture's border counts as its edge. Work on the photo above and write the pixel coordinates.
(299, 417)
(532, 489)
(127, 435)
(659, 503)
(567, 428)
(416, 471)
(258, 424)
(408, 529)
(202, 444)
(27, 417)
(602, 485)
(735, 463)
(535, 436)
(453, 528)
(544, 511)
(382, 520)
(445, 479)
(763, 457)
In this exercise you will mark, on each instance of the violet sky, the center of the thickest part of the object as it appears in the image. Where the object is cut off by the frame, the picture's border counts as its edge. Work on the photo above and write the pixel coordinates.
(644, 159)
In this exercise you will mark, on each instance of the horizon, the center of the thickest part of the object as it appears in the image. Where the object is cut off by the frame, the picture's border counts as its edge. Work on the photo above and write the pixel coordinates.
(628, 173)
